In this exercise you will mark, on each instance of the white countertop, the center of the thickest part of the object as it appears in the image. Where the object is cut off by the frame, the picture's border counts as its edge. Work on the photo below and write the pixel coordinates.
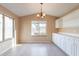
(68, 34)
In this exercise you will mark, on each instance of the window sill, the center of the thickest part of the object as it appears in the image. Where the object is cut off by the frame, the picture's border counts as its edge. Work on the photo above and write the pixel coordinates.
(39, 35)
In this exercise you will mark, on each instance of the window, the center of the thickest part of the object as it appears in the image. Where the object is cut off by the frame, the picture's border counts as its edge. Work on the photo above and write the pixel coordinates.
(8, 28)
(1, 27)
(39, 28)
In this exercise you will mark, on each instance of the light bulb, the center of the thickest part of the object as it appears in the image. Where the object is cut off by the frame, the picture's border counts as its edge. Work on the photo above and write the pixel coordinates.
(38, 15)
(44, 14)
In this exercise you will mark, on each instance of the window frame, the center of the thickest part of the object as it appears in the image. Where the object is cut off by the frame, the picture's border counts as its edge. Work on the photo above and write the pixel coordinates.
(12, 26)
(3, 27)
(39, 26)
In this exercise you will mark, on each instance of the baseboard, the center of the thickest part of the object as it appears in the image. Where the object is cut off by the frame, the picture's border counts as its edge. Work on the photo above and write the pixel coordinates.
(36, 42)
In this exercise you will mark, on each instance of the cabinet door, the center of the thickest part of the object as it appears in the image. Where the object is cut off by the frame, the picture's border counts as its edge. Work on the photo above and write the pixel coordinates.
(54, 39)
(77, 47)
(62, 42)
(57, 40)
(71, 46)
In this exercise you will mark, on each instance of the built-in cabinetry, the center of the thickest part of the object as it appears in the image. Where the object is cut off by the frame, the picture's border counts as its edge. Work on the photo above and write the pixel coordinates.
(69, 44)
(68, 24)
(59, 23)
(70, 20)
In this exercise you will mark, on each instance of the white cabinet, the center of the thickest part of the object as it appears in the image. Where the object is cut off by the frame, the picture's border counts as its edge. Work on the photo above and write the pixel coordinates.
(54, 39)
(70, 47)
(59, 23)
(62, 43)
(68, 44)
(77, 47)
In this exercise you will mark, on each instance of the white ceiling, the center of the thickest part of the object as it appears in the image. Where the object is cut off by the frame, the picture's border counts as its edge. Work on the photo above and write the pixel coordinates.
(54, 9)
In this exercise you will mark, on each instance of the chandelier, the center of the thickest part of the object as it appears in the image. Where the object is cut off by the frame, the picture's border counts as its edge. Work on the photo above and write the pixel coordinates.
(42, 15)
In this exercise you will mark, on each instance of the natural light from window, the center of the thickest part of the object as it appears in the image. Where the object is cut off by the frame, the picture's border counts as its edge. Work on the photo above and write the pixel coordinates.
(1, 27)
(39, 28)
(8, 28)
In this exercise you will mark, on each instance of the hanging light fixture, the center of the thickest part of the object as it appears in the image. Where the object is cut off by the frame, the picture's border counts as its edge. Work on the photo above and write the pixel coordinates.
(42, 15)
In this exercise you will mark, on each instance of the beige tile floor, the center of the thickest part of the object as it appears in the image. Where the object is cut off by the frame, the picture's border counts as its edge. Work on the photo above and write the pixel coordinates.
(35, 50)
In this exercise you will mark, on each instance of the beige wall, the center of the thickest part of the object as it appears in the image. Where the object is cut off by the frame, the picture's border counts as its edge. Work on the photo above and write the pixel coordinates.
(25, 29)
